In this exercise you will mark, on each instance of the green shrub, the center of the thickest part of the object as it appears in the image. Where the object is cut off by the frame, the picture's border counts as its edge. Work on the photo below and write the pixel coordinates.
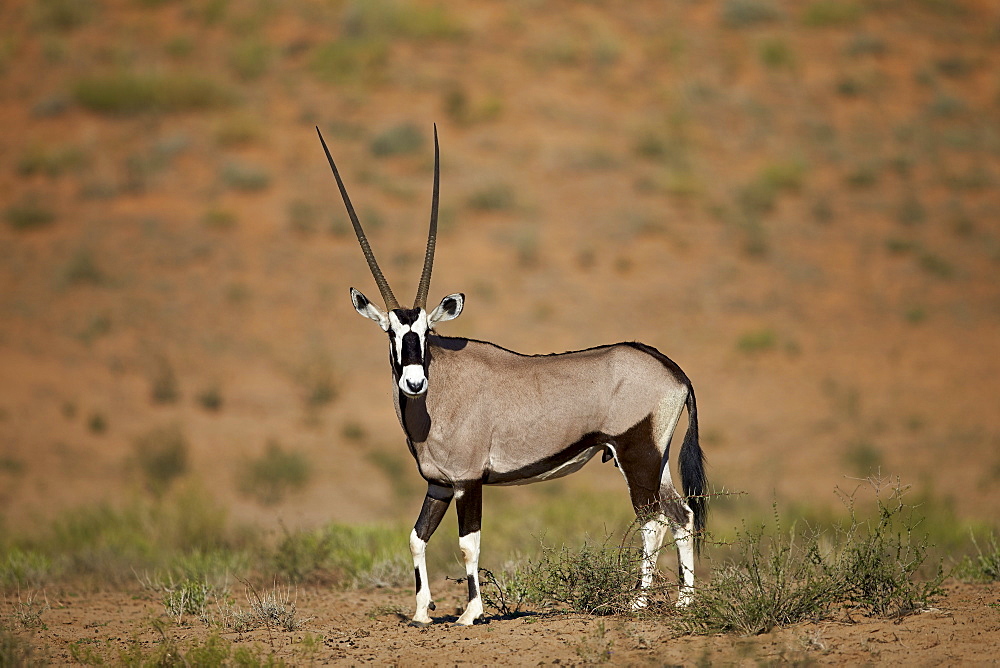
(742, 13)
(210, 398)
(343, 555)
(870, 565)
(496, 197)
(162, 456)
(82, 269)
(775, 53)
(831, 13)
(63, 14)
(30, 214)
(877, 559)
(275, 608)
(985, 566)
(351, 60)
(186, 598)
(274, 474)
(757, 341)
(401, 139)
(864, 458)
(400, 20)
(591, 579)
(219, 219)
(772, 580)
(163, 384)
(51, 162)
(250, 58)
(131, 93)
(238, 130)
(244, 177)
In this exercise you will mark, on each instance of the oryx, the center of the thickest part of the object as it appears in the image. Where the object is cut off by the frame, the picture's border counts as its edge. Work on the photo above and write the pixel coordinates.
(477, 414)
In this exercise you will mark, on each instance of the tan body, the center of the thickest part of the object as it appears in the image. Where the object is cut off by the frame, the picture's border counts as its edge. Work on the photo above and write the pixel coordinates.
(519, 410)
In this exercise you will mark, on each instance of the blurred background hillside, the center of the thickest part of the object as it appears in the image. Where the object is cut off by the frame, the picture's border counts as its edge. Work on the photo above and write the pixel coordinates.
(799, 202)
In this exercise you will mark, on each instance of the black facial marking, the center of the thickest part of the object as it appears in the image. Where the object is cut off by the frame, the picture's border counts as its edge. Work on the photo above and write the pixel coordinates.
(411, 352)
(407, 316)
(393, 355)
(472, 588)
(416, 576)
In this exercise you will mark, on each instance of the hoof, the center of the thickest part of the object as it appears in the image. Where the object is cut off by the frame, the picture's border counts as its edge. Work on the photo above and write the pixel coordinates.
(418, 625)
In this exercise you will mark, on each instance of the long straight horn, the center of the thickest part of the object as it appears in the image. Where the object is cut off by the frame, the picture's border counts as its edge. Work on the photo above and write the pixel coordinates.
(383, 285)
(425, 278)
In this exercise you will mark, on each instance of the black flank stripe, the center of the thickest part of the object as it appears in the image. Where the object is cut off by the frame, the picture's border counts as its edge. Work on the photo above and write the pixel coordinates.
(545, 465)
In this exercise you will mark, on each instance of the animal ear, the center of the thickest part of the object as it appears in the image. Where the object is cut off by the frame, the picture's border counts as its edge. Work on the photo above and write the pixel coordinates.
(369, 310)
(449, 308)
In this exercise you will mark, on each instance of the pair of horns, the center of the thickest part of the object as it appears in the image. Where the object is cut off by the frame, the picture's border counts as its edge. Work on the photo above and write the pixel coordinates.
(383, 285)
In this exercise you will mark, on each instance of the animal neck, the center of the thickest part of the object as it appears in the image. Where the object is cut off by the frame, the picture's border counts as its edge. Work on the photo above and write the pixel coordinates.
(413, 417)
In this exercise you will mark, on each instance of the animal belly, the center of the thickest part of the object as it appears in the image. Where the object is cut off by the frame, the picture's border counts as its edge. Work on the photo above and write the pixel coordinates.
(558, 470)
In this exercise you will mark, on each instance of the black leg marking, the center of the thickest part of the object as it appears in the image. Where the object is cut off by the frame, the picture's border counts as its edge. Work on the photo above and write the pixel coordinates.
(435, 504)
(472, 588)
(416, 576)
(470, 508)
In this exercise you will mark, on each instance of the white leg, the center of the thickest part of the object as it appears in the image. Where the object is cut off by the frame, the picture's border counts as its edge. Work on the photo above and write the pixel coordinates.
(418, 549)
(684, 538)
(469, 545)
(653, 533)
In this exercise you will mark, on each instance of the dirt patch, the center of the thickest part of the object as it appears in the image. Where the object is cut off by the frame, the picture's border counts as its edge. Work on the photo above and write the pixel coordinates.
(350, 628)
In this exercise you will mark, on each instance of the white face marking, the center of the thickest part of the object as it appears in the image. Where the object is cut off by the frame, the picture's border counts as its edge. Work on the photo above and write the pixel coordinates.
(412, 379)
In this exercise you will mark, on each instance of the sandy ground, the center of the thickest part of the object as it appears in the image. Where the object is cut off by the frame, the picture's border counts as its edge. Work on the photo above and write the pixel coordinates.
(368, 627)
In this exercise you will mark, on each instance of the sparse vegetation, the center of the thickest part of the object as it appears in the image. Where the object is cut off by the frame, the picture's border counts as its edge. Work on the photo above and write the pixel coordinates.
(134, 93)
(984, 565)
(51, 161)
(164, 388)
(495, 197)
(869, 565)
(776, 53)
(245, 177)
(188, 598)
(210, 398)
(63, 14)
(593, 579)
(831, 13)
(757, 341)
(162, 456)
(250, 58)
(82, 269)
(219, 219)
(398, 140)
(29, 214)
(275, 608)
(351, 60)
(273, 475)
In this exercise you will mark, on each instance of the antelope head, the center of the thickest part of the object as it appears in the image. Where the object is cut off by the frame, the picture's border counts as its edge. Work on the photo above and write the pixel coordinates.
(407, 327)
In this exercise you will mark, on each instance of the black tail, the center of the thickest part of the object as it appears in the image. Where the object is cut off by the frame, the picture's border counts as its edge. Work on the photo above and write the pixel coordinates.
(692, 466)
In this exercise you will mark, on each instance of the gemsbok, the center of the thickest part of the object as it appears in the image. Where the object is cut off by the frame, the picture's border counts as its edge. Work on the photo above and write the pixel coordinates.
(477, 414)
